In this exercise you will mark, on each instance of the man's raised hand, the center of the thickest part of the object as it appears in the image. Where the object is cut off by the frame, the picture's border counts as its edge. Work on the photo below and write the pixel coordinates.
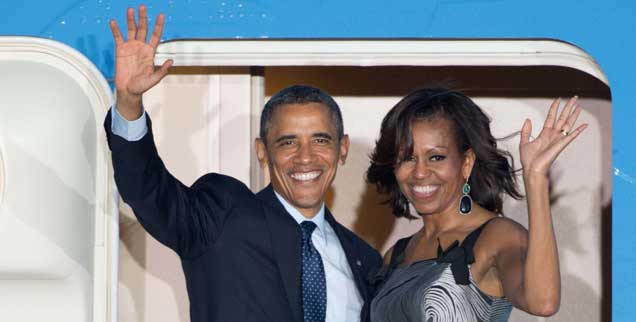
(135, 72)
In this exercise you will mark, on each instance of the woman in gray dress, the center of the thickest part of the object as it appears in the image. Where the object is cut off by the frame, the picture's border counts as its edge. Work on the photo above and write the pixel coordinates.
(467, 263)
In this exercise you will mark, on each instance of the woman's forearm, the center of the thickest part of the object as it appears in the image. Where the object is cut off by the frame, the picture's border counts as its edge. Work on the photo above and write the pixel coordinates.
(541, 280)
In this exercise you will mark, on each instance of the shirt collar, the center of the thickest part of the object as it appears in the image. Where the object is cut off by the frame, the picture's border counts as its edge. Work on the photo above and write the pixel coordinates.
(318, 219)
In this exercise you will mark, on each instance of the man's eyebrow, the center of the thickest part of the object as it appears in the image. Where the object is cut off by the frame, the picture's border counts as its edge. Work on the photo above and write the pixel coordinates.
(323, 135)
(285, 138)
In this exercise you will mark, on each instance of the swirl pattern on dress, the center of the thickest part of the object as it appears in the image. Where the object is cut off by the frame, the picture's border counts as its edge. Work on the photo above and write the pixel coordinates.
(427, 291)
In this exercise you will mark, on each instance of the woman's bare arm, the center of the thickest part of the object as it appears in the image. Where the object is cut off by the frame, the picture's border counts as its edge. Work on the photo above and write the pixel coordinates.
(528, 263)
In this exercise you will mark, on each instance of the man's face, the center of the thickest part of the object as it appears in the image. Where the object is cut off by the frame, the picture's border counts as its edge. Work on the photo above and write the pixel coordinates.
(302, 154)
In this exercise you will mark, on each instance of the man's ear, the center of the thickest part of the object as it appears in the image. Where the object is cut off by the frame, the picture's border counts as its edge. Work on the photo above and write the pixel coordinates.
(261, 152)
(469, 162)
(344, 149)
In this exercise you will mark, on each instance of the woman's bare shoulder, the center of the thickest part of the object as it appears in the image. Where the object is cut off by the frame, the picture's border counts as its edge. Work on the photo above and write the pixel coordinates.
(503, 232)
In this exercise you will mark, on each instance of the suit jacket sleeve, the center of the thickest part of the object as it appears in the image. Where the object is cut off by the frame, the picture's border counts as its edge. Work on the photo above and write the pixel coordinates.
(186, 219)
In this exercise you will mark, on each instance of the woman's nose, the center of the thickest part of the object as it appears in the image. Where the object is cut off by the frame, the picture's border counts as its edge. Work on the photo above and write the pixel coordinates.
(421, 169)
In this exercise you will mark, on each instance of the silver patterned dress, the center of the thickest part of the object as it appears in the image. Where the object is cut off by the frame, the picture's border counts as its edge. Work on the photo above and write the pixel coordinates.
(435, 290)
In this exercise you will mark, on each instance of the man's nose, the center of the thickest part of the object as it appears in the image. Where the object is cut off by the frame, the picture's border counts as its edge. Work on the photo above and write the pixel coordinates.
(304, 154)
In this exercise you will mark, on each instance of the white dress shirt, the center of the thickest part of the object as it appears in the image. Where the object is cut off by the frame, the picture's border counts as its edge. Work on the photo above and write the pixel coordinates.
(129, 130)
(344, 302)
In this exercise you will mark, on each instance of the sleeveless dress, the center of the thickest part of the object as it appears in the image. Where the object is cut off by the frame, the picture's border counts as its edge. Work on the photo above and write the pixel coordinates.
(435, 290)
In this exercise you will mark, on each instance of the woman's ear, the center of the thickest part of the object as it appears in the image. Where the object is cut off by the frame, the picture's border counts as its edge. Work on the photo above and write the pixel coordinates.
(469, 162)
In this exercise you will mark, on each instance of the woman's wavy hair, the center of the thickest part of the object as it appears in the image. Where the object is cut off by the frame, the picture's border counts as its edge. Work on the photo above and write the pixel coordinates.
(492, 173)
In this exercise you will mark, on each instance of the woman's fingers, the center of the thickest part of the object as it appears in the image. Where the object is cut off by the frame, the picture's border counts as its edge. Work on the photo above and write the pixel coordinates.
(550, 119)
(526, 129)
(561, 144)
(569, 124)
(565, 114)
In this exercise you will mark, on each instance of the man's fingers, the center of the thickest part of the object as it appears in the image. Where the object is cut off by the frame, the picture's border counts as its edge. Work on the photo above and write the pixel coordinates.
(160, 73)
(549, 120)
(155, 38)
(132, 26)
(165, 67)
(119, 39)
(142, 31)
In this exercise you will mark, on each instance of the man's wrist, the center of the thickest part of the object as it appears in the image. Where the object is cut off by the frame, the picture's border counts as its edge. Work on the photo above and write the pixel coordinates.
(129, 106)
(129, 130)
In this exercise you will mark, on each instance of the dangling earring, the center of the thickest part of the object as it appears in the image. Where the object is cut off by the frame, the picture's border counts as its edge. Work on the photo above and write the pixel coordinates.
(465, 202)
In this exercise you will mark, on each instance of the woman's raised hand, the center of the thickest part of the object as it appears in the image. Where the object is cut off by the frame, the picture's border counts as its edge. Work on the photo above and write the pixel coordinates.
(538, 155)
(135, 72)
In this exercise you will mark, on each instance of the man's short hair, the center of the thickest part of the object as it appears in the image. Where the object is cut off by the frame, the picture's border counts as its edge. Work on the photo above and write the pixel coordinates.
(300, 94)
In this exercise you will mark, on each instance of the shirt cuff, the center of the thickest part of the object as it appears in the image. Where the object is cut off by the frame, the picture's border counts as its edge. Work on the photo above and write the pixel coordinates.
(128, 130)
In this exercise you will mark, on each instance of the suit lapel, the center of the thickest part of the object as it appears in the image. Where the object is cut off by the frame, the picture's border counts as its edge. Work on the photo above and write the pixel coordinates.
(350, 251)
(285, 236)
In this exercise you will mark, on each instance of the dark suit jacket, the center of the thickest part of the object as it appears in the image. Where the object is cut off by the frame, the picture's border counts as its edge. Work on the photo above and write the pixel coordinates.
(240, 251)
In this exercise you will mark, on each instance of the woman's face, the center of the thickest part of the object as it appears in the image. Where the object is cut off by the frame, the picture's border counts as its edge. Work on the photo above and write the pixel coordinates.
(432, 178)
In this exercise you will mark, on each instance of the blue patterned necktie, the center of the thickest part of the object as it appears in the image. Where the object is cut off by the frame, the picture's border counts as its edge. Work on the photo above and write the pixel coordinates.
(314, 285)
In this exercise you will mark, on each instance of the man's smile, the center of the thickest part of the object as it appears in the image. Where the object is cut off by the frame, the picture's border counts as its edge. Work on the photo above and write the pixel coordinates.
(305, 176)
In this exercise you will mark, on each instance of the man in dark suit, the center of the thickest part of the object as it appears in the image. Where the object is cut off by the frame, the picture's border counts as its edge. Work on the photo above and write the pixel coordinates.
(278, 255)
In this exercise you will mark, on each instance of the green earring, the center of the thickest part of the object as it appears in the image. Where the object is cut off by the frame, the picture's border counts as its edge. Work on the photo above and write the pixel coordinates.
(465, 202)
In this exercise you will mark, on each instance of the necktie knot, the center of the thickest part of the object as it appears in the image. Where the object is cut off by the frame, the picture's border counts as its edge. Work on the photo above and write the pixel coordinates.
(308, 228)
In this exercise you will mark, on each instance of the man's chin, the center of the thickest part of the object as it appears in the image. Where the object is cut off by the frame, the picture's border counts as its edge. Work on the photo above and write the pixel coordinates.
(307, 205)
